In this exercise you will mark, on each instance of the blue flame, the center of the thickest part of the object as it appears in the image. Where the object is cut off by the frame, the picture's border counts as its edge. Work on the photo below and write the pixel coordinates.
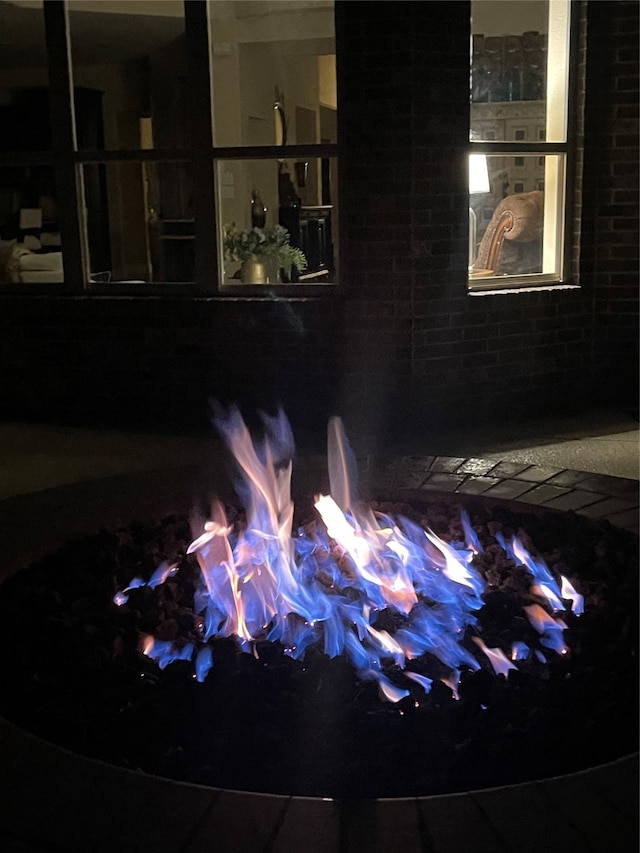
(332, 583)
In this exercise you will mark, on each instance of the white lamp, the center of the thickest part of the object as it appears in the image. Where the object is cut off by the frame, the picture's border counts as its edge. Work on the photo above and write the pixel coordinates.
(478, 183)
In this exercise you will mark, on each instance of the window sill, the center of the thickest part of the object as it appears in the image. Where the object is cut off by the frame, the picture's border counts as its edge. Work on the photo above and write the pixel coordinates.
(184, 290)
(16, 288)
(482, 284)
(276, 291)
(237, 292)
(528, 288)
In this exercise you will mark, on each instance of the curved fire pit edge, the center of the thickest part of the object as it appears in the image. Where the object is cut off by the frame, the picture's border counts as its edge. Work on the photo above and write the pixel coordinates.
(52, 799)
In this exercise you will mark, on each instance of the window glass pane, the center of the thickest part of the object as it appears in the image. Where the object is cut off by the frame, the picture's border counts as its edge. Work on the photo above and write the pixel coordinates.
(24, 122)
(519, 80)
(515, 225)
(30, 244)
(299, 195)
(139, 222)
(130, 74)
(24, 79)
(273, 53)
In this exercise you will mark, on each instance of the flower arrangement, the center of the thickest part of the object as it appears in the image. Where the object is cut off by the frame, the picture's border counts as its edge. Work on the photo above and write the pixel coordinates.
(258, 244)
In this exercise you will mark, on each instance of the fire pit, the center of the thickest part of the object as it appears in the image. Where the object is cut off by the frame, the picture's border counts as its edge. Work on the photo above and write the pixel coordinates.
(389, 712)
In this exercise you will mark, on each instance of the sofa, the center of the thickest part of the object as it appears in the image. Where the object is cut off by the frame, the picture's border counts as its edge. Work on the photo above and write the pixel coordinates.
(20, 264)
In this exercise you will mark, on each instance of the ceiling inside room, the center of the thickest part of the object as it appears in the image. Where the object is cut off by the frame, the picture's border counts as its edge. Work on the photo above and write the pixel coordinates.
(109, 30)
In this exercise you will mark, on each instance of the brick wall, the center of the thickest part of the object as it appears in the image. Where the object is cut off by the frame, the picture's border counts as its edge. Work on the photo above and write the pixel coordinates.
(610, 252)
(120, 361)
(403, 343)
(443, 354)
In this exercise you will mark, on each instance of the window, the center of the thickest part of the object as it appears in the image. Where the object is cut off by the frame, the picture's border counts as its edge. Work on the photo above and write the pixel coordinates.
(28, 217)
(519, 87)
(172, 120)
(129, 65)
(274, 87)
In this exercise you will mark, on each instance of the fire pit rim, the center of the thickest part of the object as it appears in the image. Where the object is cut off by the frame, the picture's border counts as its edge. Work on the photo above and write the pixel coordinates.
(184, 483)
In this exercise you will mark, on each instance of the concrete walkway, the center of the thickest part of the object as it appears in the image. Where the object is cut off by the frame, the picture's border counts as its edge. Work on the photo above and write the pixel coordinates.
(35, 457)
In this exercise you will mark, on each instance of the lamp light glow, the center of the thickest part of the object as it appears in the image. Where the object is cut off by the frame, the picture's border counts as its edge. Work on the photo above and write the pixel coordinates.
(478, 183)
(478, 174)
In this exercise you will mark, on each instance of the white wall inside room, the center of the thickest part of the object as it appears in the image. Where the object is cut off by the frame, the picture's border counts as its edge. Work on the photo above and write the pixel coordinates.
(264, 69)
(250, 8)
(327, 87)
(498, 17)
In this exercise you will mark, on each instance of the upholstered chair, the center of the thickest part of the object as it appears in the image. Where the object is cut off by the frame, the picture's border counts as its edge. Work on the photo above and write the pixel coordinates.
(512, 243)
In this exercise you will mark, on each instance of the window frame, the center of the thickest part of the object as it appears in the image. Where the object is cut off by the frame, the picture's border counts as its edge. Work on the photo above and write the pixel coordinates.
(566, 186)
(68, 162)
